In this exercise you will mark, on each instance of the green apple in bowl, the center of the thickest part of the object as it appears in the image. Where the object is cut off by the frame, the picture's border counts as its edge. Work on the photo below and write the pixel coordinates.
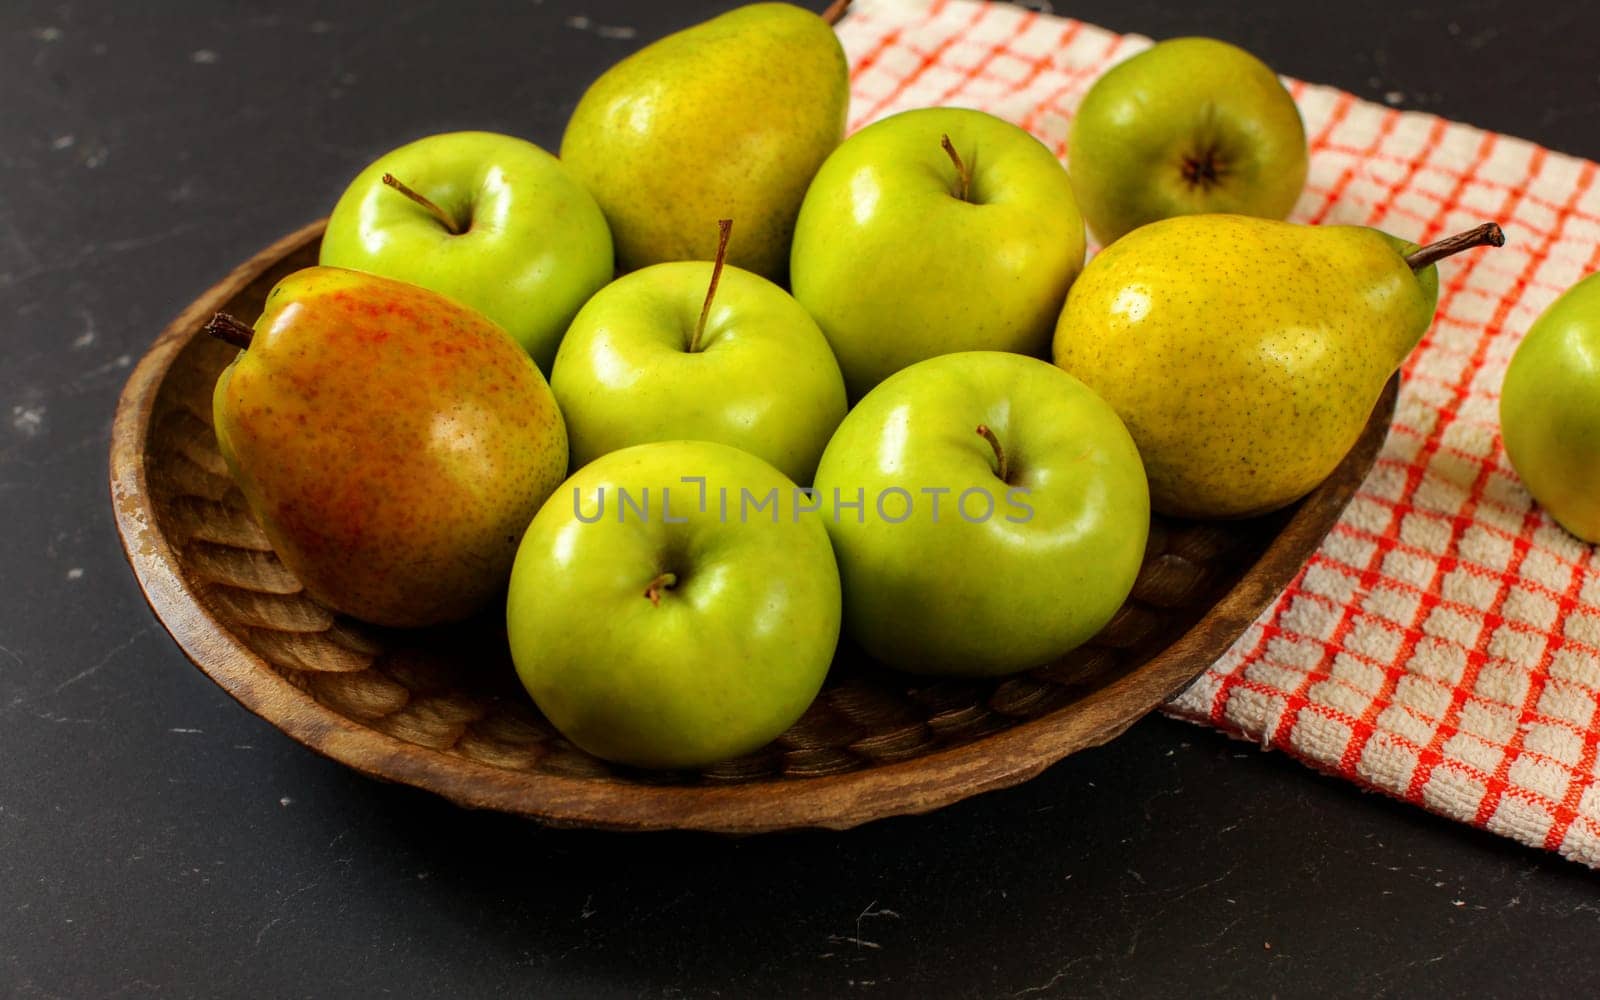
(674, 604)
(988, 511)
(489, 220)
(1550, 409)
(932, 232)
(1188, 126)
(697, 350)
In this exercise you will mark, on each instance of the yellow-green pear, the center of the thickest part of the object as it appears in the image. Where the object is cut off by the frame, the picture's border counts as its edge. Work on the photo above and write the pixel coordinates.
(726, 119)
(1244, 354)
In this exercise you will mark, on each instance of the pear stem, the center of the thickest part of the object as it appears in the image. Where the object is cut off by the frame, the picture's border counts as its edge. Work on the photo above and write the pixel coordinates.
(1487, 234)
(666, 581)
(961, 168)
(230, 330)
(724, 228)
(437, 212)
(835, 11)
(1001, 469)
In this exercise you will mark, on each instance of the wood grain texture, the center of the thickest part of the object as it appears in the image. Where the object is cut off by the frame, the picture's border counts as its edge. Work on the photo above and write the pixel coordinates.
(441, 708)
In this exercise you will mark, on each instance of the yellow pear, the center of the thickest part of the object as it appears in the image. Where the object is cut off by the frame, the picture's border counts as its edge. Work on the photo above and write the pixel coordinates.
(1245, 355)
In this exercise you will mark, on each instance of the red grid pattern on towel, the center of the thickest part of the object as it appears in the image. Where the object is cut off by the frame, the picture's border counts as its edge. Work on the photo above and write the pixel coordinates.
(1443, 645)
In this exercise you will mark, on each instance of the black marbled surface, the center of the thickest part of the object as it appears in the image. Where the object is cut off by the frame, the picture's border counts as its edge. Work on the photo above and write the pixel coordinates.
(157, 840)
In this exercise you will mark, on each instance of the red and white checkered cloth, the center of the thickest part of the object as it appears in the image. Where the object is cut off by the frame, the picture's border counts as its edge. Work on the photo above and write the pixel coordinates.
(1443, 645)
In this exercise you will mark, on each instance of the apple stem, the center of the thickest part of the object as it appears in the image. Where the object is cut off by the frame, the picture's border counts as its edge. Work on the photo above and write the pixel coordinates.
(724, 228)
(226, 328)
(437, 212)
(666, 581)
(1001, 469)
(1487, 234)
(835, 11)
(961, 168)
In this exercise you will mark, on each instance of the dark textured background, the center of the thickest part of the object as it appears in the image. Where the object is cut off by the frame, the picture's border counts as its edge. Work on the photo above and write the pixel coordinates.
(157, 840)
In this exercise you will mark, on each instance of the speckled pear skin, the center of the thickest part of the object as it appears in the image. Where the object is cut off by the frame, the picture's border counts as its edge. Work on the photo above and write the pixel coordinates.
(726, 119)
(1243, 354)
(392, 443)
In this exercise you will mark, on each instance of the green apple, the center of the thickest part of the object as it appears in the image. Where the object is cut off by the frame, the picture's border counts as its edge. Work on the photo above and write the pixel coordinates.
(489, 220)
(1188, 126)
(1550, 409)
(988, 511)
(674, 604)
(931, 232)
(694, 350)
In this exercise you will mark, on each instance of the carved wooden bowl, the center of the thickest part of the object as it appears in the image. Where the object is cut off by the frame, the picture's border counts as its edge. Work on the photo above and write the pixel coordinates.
(441, 709)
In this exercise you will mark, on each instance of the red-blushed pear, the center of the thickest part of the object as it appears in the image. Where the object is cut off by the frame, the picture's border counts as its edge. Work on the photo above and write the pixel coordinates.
(696, 350)
(392, 443)
(674, 604)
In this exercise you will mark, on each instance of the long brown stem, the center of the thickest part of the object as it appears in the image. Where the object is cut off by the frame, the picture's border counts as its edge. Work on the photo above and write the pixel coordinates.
(437, 212)
(1001, 468)
(666, 581)
(961, 167)
(835, 11)
(724, 228)
(230, 330)
(1488, 234)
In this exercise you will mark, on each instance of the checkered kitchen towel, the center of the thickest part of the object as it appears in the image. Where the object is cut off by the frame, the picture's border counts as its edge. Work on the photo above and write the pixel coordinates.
(1443, 646)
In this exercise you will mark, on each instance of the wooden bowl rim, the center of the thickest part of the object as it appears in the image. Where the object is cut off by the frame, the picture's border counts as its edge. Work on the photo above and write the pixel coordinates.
(912, 786)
